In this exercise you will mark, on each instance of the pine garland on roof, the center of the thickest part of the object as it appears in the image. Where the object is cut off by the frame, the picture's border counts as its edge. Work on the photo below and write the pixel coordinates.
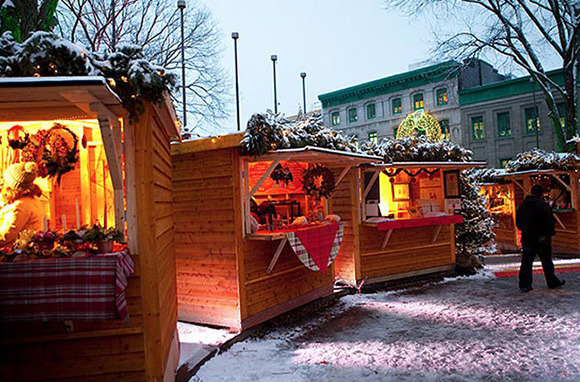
(538, 159)
(270, 131)
(43, 54)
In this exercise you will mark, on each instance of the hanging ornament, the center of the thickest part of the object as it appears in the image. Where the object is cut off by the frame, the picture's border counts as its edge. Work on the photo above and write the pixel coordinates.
(318, 181)
(17, 137)
(84, 141)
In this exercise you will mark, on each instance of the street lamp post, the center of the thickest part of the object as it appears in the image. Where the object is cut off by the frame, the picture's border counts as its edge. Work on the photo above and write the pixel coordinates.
(114, 26)
(235, 36)
(303, 75)
(536, 112)
(274, 58)
(181, 6)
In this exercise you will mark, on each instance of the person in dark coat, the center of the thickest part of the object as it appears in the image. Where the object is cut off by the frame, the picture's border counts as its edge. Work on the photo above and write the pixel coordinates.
(535, 219)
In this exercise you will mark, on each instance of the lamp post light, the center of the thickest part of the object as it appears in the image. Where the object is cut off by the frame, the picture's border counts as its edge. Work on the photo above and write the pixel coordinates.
(303, 75)
(274, 58)
(181, 6)
(235, 36)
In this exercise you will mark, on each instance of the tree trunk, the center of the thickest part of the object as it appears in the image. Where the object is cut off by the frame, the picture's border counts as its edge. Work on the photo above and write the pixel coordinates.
(570, 103)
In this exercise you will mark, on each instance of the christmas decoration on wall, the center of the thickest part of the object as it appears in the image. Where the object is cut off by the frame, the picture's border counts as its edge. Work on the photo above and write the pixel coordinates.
(132, 77)
(270, 131)
(318, 181)
(537, 159)
(420, 123)
(54, 150)
(282, 174)
(17, 137)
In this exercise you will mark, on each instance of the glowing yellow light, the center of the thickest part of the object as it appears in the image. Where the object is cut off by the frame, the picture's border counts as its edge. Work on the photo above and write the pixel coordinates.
(421, 123)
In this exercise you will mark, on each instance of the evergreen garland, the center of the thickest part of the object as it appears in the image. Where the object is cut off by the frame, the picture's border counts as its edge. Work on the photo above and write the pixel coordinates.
(132, 77)
(537, 159)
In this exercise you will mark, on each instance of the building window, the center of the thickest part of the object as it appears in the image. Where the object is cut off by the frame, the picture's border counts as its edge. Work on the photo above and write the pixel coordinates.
(395, 129)
(352, 115)
(503, 162)
(373, 137)
(477, 128)
(397, 106)
(531, 115)
(442, 98)
(562, 111)
(444, 123)
(504, 129)
(335, 118)
(371, 110)
(418, 102)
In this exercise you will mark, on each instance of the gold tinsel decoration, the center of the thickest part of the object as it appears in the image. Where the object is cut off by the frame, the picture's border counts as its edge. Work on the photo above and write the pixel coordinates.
(419, 123)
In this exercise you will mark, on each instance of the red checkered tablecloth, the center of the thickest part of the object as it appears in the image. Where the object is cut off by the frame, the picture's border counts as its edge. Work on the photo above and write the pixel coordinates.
(66, 288)
(317, 246)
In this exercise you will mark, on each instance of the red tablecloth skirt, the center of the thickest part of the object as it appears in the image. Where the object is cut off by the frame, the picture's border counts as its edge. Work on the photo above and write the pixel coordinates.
(317, 246)
(66, 288)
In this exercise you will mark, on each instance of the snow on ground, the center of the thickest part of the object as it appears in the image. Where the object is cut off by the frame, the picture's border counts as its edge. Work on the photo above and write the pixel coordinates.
(465, 329)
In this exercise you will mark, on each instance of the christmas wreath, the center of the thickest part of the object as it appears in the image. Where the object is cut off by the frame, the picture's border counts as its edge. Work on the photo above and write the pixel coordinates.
(15, 140)
(54, 150)
(318, 181)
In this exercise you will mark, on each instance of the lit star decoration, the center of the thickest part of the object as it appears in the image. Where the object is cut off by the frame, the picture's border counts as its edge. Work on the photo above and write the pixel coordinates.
(420, 123)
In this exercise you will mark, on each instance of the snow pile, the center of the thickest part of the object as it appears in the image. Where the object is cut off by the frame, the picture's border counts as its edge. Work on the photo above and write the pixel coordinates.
(537, 159)
(469, 329)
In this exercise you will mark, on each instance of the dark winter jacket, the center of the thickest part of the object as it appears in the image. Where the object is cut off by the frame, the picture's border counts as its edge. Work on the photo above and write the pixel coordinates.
(535, 219)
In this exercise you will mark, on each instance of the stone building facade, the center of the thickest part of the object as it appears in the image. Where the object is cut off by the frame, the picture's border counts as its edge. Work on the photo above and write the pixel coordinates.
(374, 110)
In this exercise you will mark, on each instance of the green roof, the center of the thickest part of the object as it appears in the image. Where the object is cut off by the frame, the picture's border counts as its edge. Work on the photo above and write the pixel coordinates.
(505, 89)
(398, 82)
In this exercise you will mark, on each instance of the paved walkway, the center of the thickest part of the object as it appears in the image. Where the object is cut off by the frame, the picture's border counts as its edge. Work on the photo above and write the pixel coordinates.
(467, 329)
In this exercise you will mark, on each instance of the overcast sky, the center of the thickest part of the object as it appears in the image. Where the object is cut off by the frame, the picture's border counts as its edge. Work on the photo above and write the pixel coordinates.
(338, 43)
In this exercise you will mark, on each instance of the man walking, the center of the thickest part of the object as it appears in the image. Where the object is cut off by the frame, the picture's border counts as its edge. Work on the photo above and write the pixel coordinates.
(535, 219)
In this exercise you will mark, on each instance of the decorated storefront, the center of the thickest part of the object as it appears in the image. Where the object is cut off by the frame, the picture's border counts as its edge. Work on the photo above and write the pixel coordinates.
(254, 235)
(82, 286)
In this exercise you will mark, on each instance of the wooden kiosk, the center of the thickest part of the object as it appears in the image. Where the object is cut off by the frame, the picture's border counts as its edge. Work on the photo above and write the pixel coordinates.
(400, 220)
(227, 275)
(123, 178)
(561, 191)
(501, 199)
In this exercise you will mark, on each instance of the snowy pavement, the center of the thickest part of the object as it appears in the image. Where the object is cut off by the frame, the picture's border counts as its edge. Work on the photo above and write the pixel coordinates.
(466, 329)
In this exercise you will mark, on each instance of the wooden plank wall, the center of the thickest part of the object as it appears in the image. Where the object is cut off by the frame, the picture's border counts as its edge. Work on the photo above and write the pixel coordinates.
(344, 204)
(205, 241)
(164, 234)
(408, 250)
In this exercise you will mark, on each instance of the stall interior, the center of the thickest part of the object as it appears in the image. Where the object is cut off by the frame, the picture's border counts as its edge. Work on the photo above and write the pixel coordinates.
(84, 194)
(500, 200)
(556, 191)
(402, 193)
(280, 199)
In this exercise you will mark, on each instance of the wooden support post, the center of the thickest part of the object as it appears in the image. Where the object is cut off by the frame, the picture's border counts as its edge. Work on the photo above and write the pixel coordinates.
(370, 185)
(520, 186)
(557, 177)
(387, 238)
(277, 255)
(436, 234)
(115, 169)
(559, 221)
(246, 198)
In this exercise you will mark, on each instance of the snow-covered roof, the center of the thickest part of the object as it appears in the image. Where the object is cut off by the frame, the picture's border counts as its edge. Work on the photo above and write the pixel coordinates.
(319, 154)
(42, 98)
(427, 164)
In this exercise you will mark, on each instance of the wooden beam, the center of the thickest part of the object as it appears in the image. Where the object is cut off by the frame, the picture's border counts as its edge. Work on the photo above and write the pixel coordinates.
(555, 176)
(246, 197)
(277, 254)
(342, 175)
(520, 186)
(370, 185)
(559, 221)
(387, 238)
(436, 233)
(268, 172)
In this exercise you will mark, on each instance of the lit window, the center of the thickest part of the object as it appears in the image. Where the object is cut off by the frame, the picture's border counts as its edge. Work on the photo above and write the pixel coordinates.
(335, 116)
(531, 115)
(352, 115)
(373, 137)
(371, 111)
(503, 162)
(442, 97)
(445, 128)
(504, 129)
(397, 106)
(418, 101)
(477, 128)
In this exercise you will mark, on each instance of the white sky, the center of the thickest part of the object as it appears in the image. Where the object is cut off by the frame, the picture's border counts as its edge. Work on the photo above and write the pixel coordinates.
(338, 43)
